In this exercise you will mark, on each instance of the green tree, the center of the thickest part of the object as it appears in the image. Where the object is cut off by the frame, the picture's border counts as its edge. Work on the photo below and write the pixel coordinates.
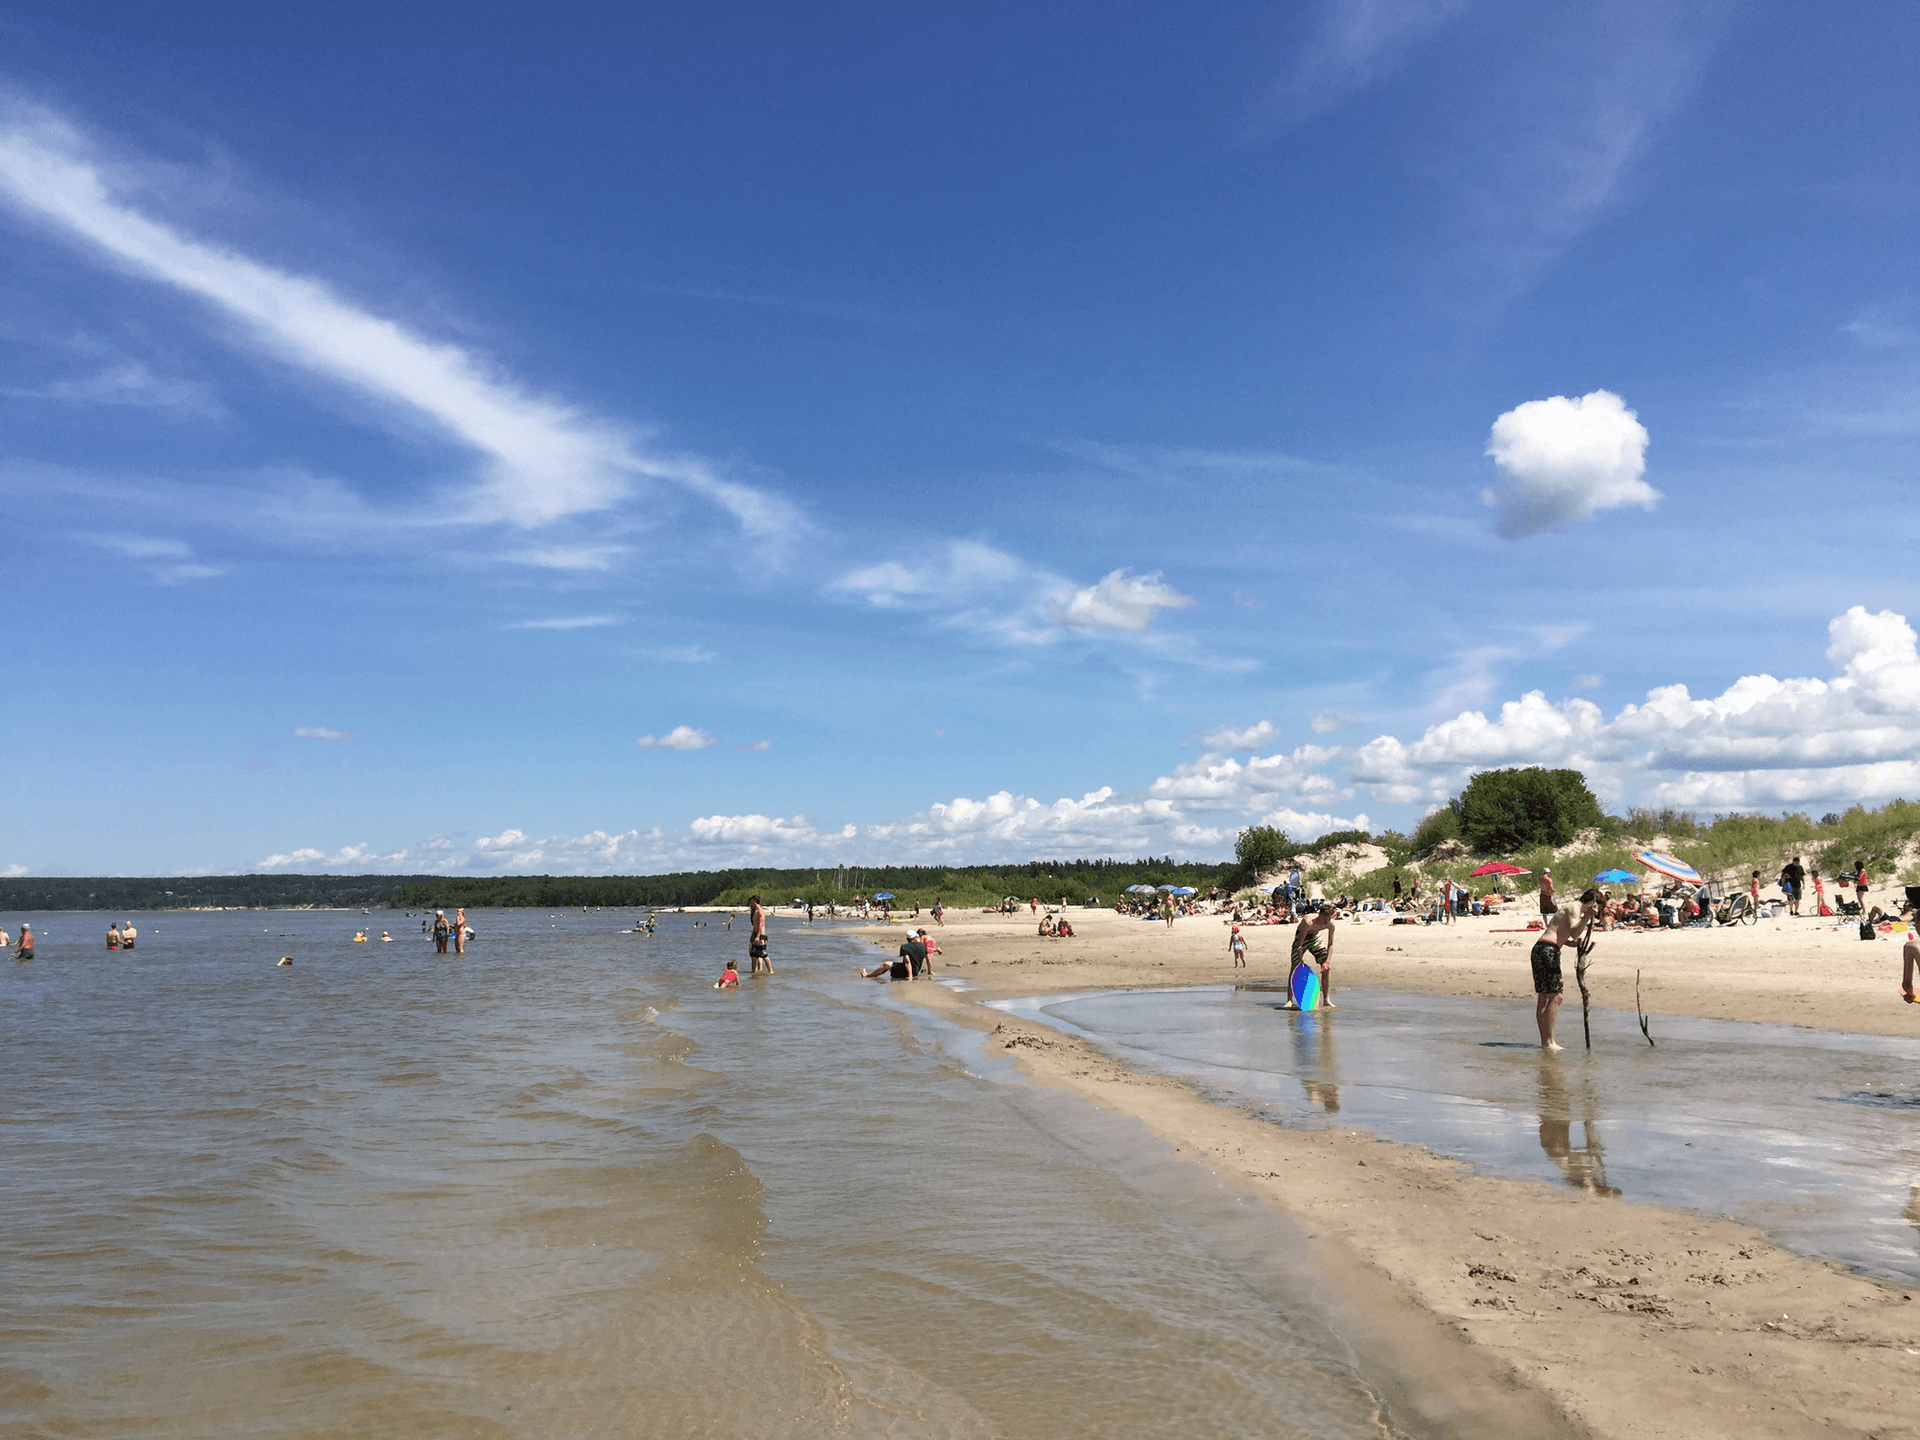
(1258, 848)
(1438, 828)
(1502, 811)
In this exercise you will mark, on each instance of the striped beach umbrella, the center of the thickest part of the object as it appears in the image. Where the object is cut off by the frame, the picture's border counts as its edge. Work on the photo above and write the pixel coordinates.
(1668, 866)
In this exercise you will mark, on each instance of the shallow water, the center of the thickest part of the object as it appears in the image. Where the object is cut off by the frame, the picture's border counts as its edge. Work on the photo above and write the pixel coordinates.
(1804, 1133)
(563, 1187)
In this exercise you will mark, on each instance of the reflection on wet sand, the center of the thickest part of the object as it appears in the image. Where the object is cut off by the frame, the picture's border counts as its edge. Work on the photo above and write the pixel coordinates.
(1313, 1056)
(1585, 1168)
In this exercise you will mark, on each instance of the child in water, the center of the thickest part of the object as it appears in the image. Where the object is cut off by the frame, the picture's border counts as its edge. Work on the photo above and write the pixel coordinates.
(729, 978)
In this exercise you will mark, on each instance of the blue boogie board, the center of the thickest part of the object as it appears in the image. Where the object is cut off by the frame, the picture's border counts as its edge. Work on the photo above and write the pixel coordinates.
(1306, 987)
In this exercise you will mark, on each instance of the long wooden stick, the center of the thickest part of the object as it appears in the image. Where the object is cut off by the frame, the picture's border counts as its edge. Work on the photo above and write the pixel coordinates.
(1580, 977)
(1642, 1013)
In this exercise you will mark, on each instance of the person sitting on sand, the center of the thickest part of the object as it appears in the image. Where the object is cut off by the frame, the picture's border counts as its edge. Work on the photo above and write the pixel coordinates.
(1237, 948)
(1046, 926)
(1064, 930)
(1313, 943)
(729, 978)
(1571, 924)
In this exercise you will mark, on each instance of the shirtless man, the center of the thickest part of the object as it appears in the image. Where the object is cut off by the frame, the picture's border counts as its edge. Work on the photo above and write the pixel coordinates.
(1313, 938)
(1571, 924)
(1547, 907)
(757, 940)
(128, 935)
(24, 950)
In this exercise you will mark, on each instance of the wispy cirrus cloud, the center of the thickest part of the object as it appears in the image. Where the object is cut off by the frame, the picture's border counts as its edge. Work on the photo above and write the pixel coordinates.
(1356, 44)
(323, 732)
(566, 622)
(543, 458)
(167, 562)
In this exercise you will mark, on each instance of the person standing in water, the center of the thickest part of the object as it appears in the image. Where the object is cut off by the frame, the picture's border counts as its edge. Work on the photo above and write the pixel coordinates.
(460, 931)
(1313, 944)
(440, 932)
(24, 950)
(113, 936)
(1571, 924)
(127, 933)
(757, 938)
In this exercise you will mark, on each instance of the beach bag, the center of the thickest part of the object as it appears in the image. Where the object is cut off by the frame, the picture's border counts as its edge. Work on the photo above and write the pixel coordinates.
(1866, 930)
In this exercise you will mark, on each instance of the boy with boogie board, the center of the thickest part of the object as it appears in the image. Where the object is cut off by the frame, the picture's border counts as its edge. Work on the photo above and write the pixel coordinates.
(1309, 981)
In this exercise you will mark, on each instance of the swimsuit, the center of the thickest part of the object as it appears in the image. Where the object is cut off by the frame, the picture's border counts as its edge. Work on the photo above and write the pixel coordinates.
(1547, 979)
(757, 949)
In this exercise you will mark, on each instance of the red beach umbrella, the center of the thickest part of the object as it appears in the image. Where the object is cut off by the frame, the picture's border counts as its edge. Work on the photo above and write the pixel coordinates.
(1500, 867)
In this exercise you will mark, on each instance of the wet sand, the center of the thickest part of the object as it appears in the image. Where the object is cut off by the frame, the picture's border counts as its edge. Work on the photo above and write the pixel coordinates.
(1631, 1318)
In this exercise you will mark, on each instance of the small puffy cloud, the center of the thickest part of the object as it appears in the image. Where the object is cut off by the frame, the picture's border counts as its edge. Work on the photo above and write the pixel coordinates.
(1254, 737)
(681, 737)
(1328, 721)
(567, 622)
(756, 748)
(13, 870)
(1562, 461)
(322, 732)
(977, 588)
(1123, 601)
(1588, 681)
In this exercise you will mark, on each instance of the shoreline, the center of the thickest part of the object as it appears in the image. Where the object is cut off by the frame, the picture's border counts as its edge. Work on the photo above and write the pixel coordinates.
(1626, 1318)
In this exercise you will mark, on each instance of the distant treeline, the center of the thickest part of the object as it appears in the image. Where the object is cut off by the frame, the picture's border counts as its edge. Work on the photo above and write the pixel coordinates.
(963, 885)
(271, 892)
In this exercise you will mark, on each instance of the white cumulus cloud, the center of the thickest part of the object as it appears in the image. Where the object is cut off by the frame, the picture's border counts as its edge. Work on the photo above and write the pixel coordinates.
(1562, 461)
(1123, 601)
(1254, 737)
(681, 737)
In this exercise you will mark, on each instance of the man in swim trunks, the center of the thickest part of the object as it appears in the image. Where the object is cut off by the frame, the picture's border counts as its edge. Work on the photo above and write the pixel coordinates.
(1793, 878)
(757, 939)
(128, 935)
(1571, 924)
(24, 950)
(1313, 943)
(1547, 907)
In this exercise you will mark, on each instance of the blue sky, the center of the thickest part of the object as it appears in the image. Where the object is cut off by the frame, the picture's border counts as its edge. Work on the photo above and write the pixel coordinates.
(674, 437)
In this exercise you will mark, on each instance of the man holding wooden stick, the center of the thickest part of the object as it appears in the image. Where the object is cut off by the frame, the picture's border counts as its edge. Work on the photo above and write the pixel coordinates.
(1569, 925)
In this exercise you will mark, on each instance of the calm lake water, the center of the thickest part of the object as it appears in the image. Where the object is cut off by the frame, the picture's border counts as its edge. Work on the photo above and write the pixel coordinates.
(1807, 1134)
(562, 1187)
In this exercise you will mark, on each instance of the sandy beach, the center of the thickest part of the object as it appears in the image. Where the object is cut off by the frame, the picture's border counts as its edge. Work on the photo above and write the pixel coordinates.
(1625, 1318)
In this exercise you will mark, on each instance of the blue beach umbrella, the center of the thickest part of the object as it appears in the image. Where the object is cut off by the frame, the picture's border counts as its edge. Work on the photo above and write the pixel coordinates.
(883, 894)
(1610, 877)
(1181, 890)
(1139, 889)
